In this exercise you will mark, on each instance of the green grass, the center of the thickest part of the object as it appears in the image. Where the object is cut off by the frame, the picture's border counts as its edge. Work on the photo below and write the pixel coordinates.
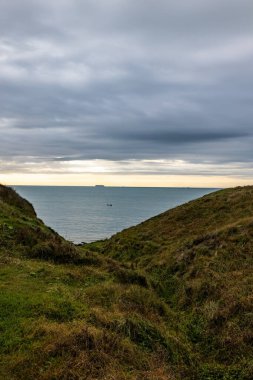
(168, 299)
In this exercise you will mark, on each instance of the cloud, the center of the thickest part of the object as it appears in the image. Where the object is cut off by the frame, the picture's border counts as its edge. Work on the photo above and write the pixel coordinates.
(126, 81)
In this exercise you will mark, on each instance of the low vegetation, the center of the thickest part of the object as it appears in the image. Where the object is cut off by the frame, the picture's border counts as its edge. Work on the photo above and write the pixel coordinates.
(168, 299)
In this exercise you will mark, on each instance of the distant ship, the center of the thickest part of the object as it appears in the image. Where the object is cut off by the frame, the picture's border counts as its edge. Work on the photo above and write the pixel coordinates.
(99, 185)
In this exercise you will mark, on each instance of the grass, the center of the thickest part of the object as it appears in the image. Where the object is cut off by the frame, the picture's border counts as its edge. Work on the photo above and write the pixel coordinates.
(168, 299)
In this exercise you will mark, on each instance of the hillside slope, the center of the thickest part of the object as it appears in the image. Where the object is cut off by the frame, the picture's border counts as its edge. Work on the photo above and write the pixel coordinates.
(22, 233)
(168, 299)
(199, 258)
(167, 231)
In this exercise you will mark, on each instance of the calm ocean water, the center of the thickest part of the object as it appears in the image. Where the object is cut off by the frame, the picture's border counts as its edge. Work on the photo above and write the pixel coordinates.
(84, 214)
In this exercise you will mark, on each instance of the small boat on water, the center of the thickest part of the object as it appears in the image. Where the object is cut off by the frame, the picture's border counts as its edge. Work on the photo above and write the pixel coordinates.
(109, 205)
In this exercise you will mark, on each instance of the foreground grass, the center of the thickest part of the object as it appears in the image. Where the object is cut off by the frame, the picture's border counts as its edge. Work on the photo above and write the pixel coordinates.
(168, 299)
(60, 321)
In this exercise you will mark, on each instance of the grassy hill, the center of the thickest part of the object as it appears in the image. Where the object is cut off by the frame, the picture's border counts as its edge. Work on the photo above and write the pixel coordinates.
(168, 299)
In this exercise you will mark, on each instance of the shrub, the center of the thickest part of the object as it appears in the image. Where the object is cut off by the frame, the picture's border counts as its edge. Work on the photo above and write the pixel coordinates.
(58, 251)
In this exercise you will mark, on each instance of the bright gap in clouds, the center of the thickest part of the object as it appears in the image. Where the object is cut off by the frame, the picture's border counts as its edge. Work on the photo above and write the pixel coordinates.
(128, 173)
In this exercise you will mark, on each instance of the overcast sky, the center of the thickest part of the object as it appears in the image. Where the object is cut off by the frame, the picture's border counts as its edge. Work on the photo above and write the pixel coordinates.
(126, 92)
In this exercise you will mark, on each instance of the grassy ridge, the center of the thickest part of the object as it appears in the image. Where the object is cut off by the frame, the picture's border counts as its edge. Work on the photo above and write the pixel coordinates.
(168, 299)
(199, 258)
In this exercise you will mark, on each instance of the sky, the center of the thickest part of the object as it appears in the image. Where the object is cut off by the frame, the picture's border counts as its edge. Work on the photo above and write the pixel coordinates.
(126, 92)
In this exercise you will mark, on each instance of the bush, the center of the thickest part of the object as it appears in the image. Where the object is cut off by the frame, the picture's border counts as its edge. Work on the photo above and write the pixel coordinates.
(58, 251)
(129, 276)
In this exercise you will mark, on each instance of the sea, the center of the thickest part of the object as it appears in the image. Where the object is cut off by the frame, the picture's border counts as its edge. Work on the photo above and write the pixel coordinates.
(86, 214)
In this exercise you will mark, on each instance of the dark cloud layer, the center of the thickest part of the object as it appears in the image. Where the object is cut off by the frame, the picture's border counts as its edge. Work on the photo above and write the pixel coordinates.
(124, 80)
